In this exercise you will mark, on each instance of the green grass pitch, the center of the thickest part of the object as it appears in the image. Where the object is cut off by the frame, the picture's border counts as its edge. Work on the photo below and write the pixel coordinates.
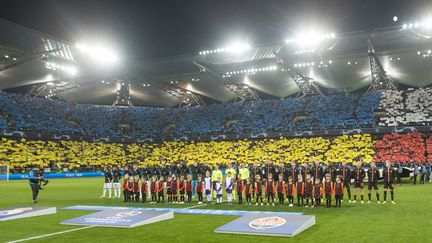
(410, 220)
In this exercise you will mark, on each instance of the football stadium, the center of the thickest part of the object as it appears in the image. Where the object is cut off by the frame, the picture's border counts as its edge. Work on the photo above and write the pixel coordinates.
(212, 121)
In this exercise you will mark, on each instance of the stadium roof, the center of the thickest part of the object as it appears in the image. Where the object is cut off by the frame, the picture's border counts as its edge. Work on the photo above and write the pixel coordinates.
(340, 62)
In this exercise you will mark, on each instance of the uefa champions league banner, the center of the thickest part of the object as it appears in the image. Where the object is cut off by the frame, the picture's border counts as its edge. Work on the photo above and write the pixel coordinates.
(24, 212)
(121, 218)
(274, 224)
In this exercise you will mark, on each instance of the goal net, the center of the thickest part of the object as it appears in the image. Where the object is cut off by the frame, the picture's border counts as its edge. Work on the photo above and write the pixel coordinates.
(4, 172)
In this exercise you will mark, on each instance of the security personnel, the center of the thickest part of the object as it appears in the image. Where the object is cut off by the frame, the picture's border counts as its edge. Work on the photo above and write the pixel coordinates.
(34, 180)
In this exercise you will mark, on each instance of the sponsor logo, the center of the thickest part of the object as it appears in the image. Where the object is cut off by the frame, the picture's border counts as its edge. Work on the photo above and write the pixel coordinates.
(122, 217)
(267, 223)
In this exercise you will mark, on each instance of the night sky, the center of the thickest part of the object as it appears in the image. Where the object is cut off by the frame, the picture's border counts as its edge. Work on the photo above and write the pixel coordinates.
(148, 29)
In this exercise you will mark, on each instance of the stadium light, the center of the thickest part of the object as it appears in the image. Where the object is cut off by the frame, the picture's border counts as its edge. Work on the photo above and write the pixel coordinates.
(251, 71)
(425, 23)
(99, 52)
(72, 70)
(310, 38)
(236, 47)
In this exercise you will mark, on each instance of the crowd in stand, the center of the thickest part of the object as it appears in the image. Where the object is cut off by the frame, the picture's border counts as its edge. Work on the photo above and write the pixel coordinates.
(290, 114)
(411, 107)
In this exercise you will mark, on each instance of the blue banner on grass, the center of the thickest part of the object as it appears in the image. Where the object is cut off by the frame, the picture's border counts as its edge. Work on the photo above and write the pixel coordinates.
(274, 224)
(24, 212)
(122, 218)
(181, 210)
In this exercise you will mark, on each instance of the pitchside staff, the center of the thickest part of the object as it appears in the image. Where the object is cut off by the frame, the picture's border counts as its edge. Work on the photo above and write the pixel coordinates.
(35, 177)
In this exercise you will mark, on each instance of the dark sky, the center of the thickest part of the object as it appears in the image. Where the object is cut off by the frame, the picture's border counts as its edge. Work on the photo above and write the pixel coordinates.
(145, 29)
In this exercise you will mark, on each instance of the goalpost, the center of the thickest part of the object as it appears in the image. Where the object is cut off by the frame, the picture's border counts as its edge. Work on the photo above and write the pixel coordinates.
(4, 172)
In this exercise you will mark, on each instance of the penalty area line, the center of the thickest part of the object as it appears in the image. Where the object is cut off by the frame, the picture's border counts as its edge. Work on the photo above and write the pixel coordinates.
(49, 235)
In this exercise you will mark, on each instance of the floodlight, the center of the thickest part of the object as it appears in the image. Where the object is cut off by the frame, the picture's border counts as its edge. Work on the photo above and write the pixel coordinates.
(395, 18)
(238, 47)
(99, 53)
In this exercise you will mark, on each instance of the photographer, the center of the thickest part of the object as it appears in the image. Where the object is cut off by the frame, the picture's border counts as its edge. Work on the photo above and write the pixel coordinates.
(34, 180)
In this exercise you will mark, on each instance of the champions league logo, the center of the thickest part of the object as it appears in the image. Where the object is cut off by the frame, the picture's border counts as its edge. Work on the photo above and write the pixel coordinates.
(267, 223)
(14, 211)
(119, 217)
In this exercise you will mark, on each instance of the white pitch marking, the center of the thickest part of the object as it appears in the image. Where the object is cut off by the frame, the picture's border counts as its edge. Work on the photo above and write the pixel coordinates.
(196, 206)
(52, 234)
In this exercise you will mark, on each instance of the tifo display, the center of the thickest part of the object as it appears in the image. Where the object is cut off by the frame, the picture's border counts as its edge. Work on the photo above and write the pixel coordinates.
(88, 156)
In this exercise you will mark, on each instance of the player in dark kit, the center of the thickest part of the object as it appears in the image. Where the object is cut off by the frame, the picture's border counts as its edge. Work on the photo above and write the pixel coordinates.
(389, 177)
(338, 189)
(116, 181)
(317, 171)
(124, 187)
(182, 189)
(144, 189)
(153, 189)
(254, 171)
(308, 190)
(189, 188)
(269, 169)
(108, 182)
(359, 175)
(300, 189)
(290, 191)
(258, 190)
(269, 189)
(317, 192)
(161, 188)
(174, 188)
(345, 172)
(248, 192)
(137, 188)
(373, 175)
(130, 189)
(168, 190)
(332, 172)
(292, 171)
(328, 189)
(239, 188)
(280, 189)
(200, 189)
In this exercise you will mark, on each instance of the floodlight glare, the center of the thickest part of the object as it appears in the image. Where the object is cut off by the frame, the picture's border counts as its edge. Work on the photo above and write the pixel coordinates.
(99, 53)
(238, 47)
(395, 18)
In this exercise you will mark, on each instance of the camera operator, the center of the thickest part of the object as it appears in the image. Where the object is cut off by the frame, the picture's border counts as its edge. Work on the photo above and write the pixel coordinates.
(34, 179)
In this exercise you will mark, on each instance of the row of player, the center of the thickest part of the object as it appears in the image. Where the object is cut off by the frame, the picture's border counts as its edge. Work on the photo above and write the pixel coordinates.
(307, 189)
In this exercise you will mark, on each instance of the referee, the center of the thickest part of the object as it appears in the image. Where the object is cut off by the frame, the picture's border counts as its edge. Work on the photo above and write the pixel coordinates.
(34, 179)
